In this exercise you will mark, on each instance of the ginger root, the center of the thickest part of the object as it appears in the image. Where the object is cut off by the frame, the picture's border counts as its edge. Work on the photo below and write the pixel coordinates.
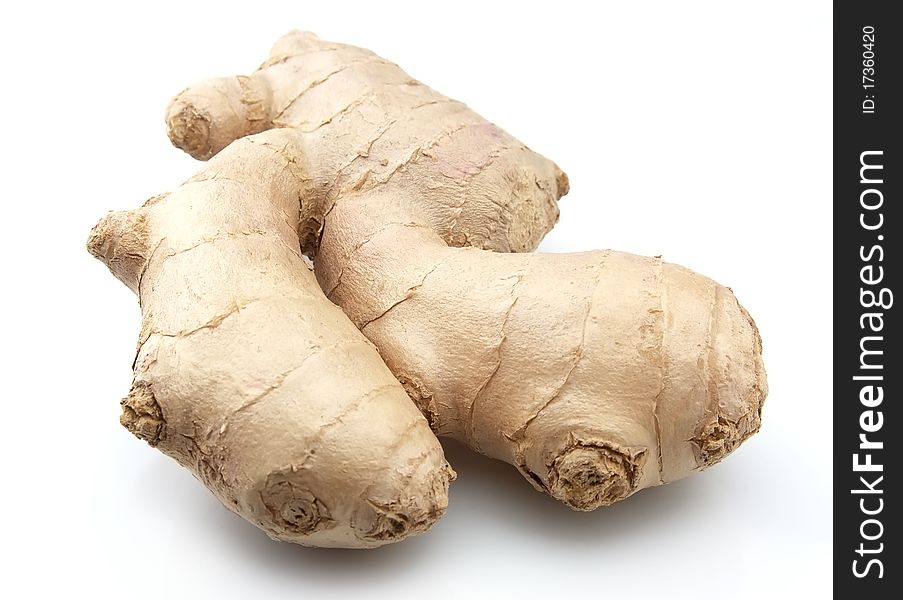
(248, 376)
(596, 374)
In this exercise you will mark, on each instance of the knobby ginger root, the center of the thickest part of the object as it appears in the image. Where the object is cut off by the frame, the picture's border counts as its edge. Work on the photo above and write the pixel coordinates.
(596, 374)
(247, 375)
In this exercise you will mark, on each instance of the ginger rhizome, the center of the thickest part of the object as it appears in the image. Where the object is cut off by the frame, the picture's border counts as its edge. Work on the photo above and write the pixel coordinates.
(248, 376)
(596, 374)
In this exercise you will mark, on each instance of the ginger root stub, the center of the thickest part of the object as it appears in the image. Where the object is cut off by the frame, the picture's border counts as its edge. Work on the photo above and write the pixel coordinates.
(248, 376)
(596, 374)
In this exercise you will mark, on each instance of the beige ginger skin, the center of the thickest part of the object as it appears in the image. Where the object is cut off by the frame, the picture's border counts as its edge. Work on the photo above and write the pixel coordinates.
(596, 374)
(248, 376)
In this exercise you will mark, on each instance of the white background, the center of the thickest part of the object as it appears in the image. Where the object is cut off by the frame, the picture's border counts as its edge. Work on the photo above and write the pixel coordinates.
(700, 131)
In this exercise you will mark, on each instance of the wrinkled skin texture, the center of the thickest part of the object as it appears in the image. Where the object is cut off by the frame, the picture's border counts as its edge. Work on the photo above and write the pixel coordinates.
(596, 374)
(248, 376)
